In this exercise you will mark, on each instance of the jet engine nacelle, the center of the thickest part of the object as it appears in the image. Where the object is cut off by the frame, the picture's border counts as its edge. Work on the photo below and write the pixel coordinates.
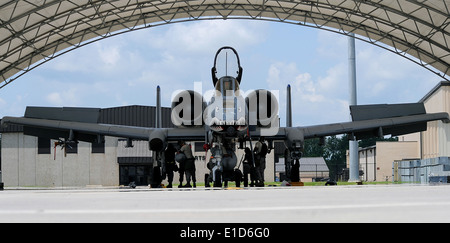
(187, 109)
(157, 140)
(262, 108)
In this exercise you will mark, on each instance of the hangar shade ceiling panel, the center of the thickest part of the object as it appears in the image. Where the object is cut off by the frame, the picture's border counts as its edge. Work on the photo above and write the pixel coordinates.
(35, 31)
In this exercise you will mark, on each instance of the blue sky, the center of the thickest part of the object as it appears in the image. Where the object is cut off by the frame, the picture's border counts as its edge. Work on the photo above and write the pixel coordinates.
(125, 70)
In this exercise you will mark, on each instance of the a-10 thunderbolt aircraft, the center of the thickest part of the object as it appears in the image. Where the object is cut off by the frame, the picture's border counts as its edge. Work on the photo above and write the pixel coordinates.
(227, 121)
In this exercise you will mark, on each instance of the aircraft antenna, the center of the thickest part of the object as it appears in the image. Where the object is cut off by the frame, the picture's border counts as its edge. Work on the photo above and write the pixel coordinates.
(288, 107)
(158, 108)
(226, 63)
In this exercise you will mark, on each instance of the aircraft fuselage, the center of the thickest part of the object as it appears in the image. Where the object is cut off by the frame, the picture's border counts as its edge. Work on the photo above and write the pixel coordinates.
(226, 112)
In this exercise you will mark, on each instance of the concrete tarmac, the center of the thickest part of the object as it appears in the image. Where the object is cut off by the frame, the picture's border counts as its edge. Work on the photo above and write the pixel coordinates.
(367, 203)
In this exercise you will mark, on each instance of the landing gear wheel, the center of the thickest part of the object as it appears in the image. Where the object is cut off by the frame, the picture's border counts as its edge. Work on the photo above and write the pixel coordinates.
(238, 177)
(218, 181)
(207, 181)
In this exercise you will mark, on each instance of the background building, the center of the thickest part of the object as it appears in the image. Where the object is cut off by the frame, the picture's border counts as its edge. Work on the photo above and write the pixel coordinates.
(311, 169)
(433, 144)
(418, 157)
(375, 162)
(32, 161)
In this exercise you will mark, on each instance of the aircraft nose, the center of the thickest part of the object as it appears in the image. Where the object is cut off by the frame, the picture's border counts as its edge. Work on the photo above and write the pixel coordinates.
(231, 131)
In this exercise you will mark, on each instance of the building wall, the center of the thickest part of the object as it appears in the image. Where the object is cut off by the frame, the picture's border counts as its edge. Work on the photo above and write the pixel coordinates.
(23, 166)
(367, 163)
(436, 140)
(433, 143)
(376, 161)
(14, 166)
(388, 152)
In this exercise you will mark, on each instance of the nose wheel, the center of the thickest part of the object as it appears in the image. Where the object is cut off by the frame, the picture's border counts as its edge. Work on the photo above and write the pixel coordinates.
(216, 180)
(219, 180)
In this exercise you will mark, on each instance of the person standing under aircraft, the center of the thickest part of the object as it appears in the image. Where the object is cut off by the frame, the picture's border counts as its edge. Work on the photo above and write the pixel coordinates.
(261, 151)
(170, 165)
(181, 159)
(249, 167)
(189, 165)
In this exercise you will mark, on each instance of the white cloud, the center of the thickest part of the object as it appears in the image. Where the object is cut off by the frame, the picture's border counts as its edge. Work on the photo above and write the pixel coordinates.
(331, 45)
(69, 97)
(123, 67)
(3, 104)
(182, 54)
(110, 55)
(314, 99)
(54, 98)
(336, 76)
(385, 77)
(382, 76)
(307, 89)
(205, 37)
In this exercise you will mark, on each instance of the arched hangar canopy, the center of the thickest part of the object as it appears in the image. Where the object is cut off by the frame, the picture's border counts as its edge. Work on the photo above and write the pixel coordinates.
(35, 31)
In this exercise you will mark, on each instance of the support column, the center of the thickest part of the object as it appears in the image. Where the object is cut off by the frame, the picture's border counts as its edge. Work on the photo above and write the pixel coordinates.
(1, 181)
(353, 144)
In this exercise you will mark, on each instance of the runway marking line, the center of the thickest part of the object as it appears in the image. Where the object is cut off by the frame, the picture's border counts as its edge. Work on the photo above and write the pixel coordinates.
(221, 210)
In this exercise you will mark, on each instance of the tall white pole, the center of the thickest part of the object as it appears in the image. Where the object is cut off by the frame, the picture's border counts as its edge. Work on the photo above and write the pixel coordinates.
(353, 144)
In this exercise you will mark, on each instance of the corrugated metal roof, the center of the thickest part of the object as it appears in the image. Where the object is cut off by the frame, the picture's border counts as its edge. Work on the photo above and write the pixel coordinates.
(11, 128)
(433, 90)
(134, 115)
(313, 164)
(307, 164)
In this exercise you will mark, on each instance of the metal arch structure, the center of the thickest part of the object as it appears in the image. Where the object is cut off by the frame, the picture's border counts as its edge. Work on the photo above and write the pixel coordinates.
(33, 32)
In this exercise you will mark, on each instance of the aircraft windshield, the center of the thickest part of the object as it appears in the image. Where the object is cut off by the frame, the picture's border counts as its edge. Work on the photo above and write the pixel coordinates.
(227, 84)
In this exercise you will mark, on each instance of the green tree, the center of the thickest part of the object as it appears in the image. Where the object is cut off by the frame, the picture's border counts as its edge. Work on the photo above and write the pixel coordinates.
(312, 148)
(335, 154)
(334, 151)
(372, 141)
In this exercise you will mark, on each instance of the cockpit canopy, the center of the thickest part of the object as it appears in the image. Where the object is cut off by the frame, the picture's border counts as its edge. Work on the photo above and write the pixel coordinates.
(227, 86)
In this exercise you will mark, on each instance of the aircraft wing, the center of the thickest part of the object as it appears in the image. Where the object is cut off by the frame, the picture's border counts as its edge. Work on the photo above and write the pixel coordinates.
(378, 121)
(375, 127)
(81, 124)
